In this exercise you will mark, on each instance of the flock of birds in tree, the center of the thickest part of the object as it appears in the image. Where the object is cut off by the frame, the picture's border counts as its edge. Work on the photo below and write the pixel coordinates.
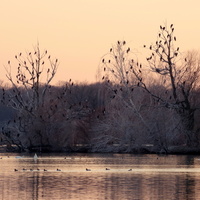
(113, 61)
(165, 39)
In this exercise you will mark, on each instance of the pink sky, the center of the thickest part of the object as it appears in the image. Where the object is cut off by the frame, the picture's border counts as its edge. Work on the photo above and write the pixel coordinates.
(80, 32)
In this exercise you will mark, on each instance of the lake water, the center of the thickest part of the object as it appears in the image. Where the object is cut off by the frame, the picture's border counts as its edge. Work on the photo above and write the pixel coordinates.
(134, 177)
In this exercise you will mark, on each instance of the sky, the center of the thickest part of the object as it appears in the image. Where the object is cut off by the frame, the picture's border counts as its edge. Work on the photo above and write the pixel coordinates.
(80, 32)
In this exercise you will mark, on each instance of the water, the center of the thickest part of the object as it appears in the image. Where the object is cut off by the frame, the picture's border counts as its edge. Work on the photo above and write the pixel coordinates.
(152, 177)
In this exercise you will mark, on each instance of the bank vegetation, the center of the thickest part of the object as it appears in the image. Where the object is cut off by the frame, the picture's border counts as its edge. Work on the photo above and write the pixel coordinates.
(136, 106)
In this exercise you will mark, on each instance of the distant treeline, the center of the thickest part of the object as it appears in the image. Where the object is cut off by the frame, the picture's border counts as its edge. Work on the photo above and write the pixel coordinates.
(135, 106)
(94, 118)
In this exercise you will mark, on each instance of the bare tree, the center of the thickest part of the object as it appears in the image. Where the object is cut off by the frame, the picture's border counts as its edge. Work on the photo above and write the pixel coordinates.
(30, 70)
(122, 72)
(122, 68)
(28, 95)
(177, 73)
(180, 76)
(115, 65)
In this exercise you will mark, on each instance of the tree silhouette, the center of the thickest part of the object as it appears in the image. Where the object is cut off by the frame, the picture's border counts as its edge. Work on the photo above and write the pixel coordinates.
(180, 76)
(30, 96)
(178, 73)
(121, 67)
(30, 71)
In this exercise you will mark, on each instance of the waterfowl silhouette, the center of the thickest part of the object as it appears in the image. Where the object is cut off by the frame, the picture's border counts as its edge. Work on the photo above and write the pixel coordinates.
(130, 170)
(88, 169)
(15, 170)
(45, 170)
(35, 157)
(58, 170)
(19, 157)
(107, 168)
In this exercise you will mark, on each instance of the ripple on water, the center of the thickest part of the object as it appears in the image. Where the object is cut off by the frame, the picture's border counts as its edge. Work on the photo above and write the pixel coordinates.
(168, 177)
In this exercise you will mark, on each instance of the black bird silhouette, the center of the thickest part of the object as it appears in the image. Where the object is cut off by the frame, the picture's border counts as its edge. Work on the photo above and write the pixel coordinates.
(128, 50)
(157, 70)
(88, 169)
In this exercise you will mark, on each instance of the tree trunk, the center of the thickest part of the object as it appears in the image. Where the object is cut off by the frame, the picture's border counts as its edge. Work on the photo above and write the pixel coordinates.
(187, 119)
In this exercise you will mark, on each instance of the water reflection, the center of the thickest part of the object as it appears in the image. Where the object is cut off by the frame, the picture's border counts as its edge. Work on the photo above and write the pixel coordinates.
(152, 177)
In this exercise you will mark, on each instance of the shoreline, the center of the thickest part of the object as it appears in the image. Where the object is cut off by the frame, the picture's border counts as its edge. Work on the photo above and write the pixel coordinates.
(172, 150)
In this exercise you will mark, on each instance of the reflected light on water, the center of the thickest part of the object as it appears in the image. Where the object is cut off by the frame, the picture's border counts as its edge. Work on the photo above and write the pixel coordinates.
(151, 177)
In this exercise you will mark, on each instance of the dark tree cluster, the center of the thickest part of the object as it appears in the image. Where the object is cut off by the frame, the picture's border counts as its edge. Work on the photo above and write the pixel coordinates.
(170, 79)
(137, 106)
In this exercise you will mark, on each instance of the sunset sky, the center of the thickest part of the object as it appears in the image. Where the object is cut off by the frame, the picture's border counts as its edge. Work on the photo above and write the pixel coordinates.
(80, 32)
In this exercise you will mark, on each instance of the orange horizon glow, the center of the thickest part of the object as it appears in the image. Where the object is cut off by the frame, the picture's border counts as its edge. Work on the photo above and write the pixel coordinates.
(80, 32)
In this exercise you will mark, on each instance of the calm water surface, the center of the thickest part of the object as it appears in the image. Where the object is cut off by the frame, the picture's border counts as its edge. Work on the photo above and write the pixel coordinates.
(152, 177)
